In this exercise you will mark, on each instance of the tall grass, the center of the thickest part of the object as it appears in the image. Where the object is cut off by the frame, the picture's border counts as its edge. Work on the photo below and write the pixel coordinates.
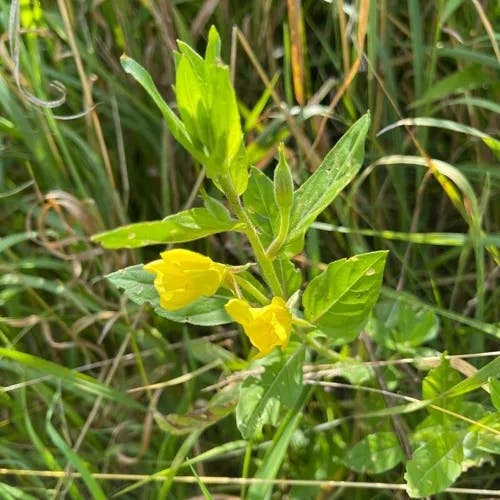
(80, 414)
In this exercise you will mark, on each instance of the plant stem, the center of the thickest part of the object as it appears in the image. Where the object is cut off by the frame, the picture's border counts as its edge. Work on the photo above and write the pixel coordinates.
(265, 263)
(251, 289)
(314, 343)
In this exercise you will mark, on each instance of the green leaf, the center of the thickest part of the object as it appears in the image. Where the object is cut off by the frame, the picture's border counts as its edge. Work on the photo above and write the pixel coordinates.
(273, 459)
(401, 326)
(209, 352)
(435, 465)
(224, 115)
(217, 210)
(468, 56)
(470, 78)
(288, 275)
(13, 239)
(492, 369)
(223, 109)
(375, 453)
(261, 396)
(190, 90)
(488, 442)
(435, 385)
(209, 109)
(212, 52)
(187, 225)
(423, 121)
(69, 378)
(221, 405)
(73, 458)
(353, 370)
(261, 206)
(495, 392)
(339, 300)
(12, 493)
(338, 168)
(174, 124)
(139, 288)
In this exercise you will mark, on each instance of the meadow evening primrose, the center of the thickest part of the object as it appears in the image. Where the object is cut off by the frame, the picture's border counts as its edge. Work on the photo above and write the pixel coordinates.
(183, 276)
(267, 327)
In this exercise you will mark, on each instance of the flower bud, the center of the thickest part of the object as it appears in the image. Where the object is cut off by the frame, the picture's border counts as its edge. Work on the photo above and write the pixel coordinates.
(283, 183)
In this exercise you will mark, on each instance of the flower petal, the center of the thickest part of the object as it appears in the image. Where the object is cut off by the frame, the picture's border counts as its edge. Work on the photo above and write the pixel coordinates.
(239, 310)
(186, 259)
(266, 327)
(183, 276)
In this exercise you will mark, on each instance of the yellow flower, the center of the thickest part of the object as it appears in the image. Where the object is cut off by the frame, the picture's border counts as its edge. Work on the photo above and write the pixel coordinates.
(267, 327)
(183, 276)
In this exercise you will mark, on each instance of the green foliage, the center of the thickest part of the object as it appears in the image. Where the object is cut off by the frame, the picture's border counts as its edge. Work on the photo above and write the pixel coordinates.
(374, 454)
(97, 377)
(261, 396)
(401, 326)
(261, 206)
(435, 386)
(220, 406)
(338, 168)
(78, 382)
(276, 453)
(175, 125)
(492, 369)
(73, 459)
(435, 465)
(187, 225)
(339, 300)
(495, 393)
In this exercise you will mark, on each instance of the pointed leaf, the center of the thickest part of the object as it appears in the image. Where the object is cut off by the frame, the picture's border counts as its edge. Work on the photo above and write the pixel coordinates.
(174, 124)
(209, 109)
(275, 454)
(435, 465)
(435, 385)
(338, 168)
(190, 91)
(492, 369)
(261, 396)
(339, 300)
(78, 463)
(261, 206)
(69, 378)
(473, 76)
(288, 275)
(183, 226)
(212, 52)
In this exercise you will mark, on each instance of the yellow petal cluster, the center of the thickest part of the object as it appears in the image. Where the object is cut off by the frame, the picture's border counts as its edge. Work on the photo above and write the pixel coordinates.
(183, 276)
(267, 327)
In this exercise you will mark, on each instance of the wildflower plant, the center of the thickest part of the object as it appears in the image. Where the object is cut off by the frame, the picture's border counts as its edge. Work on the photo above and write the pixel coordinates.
(284, 320)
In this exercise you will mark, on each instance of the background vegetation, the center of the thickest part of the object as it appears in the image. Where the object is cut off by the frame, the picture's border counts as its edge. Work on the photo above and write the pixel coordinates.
(427, 69)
